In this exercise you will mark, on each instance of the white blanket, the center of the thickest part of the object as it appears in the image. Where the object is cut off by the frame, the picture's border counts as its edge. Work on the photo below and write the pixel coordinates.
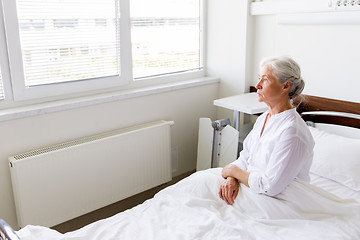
(192, 209)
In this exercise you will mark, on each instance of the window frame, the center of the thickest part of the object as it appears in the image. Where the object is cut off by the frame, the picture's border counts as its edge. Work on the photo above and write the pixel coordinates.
(21, 92)
(17, 94)
(4, 62)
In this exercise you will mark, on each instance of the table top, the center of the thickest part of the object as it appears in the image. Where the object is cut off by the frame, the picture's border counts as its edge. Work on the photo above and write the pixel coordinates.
(246, 103)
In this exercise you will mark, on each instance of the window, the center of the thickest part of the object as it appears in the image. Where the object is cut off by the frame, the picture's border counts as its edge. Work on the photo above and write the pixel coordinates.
(165, 36)
(59, 47)
(66, 46)
(52, 53)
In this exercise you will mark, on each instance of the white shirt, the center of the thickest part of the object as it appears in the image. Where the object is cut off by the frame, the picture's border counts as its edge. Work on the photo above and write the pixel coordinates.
(283, 152)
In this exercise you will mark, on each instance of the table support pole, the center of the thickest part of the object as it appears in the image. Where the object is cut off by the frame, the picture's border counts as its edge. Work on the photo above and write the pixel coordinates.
(236, 120)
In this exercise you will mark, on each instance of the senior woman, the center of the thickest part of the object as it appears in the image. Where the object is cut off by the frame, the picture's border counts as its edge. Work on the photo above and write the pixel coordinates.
(280, 147)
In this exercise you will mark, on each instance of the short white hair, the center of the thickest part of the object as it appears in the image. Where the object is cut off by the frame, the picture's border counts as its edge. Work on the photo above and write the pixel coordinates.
(285, 69)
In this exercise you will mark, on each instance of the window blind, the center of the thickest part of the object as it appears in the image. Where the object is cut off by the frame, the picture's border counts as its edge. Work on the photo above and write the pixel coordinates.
(69, 40)
(165, 36)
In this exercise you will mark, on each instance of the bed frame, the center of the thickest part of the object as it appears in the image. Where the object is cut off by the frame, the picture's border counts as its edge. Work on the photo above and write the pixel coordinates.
(308, 103)
(335, 111)
(308, 106)
(6, 232)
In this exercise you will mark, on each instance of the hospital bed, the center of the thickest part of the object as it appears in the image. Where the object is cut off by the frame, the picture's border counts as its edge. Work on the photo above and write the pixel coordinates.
(328, 208)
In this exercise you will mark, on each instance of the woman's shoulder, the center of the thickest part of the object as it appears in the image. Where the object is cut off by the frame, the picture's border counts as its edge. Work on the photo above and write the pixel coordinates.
(296, 127)
(291, 118)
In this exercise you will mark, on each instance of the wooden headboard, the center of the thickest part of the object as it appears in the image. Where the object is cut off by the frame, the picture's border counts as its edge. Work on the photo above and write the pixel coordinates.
(308, 103)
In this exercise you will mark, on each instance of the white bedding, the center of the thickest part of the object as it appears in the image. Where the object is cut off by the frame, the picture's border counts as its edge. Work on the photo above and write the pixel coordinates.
(334, 187)
(191, 209)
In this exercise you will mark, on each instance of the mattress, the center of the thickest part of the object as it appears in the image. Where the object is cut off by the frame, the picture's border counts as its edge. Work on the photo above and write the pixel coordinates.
(192, 209)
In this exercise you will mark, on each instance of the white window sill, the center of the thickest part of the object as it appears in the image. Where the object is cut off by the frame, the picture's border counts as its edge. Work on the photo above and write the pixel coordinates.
(67, 104)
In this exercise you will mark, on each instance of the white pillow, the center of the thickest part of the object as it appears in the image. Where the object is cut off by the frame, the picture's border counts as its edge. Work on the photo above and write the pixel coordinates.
(336, 158)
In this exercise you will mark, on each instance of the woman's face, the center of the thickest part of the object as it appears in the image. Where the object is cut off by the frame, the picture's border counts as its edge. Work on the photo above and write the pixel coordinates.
(269, 88)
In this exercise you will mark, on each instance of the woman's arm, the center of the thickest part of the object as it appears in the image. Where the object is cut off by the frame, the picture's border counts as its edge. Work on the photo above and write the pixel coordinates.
(229, 190)
(287, 159)
(242, 161)
(233, 171)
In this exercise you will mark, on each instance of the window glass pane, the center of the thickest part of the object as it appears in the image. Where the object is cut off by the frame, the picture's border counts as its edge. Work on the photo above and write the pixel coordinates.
(68, 40)
(165, 36)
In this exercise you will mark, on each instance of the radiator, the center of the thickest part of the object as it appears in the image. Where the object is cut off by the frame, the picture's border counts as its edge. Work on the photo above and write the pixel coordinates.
(57, 183)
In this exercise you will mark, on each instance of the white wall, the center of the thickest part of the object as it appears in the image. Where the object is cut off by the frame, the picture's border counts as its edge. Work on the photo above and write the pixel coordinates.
(328, 54)
(184, 106)
(229, 47)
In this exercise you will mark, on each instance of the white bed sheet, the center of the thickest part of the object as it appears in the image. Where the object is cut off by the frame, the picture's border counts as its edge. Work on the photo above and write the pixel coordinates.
(191, 209)
(333, 187)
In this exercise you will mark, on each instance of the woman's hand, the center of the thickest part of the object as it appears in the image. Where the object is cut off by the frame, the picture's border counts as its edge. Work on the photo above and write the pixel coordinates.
(229, 190)
(229, 171)
(233, 171)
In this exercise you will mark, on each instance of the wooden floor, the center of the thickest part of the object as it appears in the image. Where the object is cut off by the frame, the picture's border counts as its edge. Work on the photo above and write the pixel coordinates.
(115, 208)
